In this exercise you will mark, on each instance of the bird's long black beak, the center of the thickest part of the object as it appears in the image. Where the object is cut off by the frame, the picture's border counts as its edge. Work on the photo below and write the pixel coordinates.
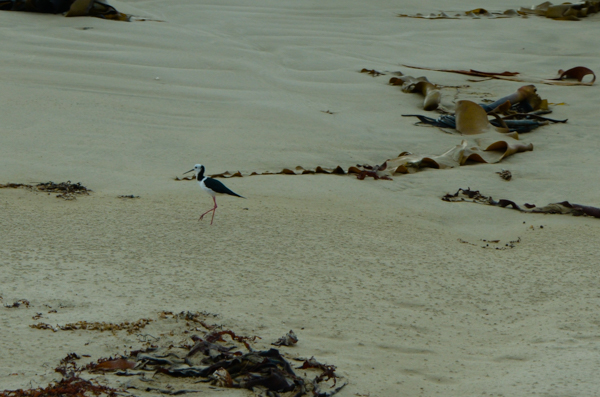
(189, 171)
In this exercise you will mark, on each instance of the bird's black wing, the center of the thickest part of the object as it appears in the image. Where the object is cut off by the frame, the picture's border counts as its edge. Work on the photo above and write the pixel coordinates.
(218, 187)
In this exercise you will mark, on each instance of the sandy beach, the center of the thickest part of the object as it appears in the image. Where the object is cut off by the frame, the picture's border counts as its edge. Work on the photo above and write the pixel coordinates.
(382, 279)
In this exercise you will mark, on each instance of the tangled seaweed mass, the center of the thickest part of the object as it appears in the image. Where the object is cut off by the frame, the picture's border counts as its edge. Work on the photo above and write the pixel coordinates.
(219, 357)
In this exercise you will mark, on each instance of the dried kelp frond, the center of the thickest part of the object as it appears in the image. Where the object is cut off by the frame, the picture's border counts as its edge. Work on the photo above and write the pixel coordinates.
(420, 85)
(564, 207)
(130, 327)
(66, 190)
(488, 147)
(564, 12)
(577, 73)
(564, 78)
(70, 386)
(289, 339)
(372, 72)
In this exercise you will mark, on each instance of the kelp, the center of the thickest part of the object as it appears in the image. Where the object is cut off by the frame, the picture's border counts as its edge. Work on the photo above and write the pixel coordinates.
(573, 76)
(226, 366)
(486, 148)
(564, 12)
(564, 207)
(130, 327)
(520, 109)
(70, 8)
(71, 385)
(218, 357)
(66, 190)
(420, 85)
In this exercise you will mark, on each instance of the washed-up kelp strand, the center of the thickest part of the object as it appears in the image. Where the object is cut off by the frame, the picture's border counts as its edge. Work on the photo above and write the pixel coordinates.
(130, 327)
(71, 8)
(372, 72)
(66, 190)
(420, 85)
(565, 11)
(568, 78)
(487, 148)
(476, 13)
(71, 385)
(564, 207)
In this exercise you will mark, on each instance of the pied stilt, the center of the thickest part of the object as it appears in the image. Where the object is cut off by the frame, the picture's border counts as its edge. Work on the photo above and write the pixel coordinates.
(212, 187)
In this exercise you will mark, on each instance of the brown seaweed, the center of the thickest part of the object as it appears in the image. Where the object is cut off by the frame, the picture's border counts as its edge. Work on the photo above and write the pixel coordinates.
(564, 78)
(130, 327)
(422, 86)
(564, 207)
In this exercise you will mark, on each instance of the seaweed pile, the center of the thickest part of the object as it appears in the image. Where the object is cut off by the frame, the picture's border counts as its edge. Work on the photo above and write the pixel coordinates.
(188, 354)
(564, 207)
(66, 190)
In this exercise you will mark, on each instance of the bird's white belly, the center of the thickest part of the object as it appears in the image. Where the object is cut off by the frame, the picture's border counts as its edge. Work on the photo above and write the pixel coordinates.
(207, 190)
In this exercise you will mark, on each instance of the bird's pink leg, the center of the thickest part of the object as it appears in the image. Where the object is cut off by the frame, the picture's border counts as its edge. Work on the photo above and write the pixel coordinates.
(212, 209)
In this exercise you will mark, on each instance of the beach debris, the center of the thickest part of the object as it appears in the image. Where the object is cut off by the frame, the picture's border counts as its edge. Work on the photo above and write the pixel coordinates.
(19, 303)
(573, 76)
(130, 196)
(289, 339)
(564, 207)
(521, 112)
(218, 357)
(496, 244)
(564, 12)
(71, 384)
(130, 327)
(66, 190)
(372, 72)
(421, 85)
(505, 174)
(487, 147)
(69, 8)
(328, 112)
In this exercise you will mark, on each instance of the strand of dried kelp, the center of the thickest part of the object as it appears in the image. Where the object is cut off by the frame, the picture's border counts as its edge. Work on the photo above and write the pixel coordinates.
(564, 207)
(130, 327)
(573, 76)
(486, 150)
(66, 190)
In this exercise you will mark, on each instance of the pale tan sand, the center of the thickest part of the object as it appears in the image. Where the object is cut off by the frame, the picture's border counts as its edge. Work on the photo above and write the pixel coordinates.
(369, 274)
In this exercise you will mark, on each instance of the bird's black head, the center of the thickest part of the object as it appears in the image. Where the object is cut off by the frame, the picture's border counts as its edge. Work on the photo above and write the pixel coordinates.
(198, 170)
